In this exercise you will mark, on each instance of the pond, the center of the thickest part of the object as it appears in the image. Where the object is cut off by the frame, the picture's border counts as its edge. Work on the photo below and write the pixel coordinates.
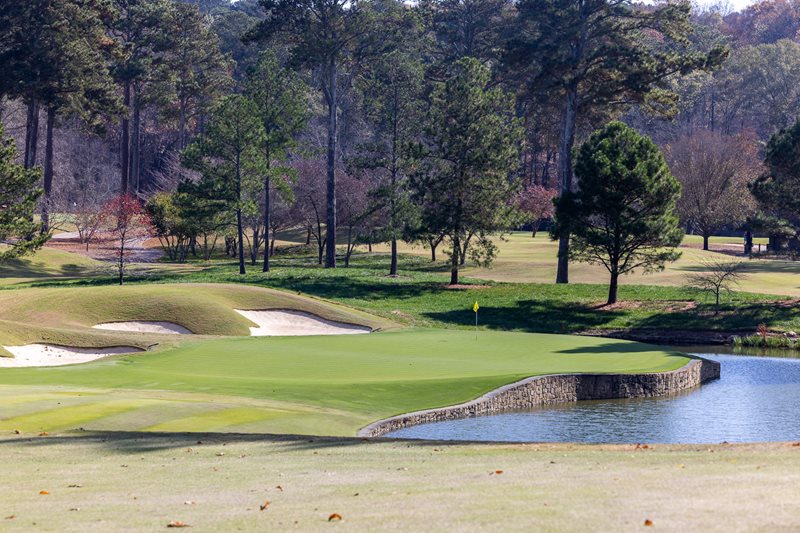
(757, 399)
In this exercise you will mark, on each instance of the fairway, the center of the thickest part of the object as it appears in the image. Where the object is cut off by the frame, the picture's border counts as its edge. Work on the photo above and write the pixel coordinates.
(308, 385)
(522, 259)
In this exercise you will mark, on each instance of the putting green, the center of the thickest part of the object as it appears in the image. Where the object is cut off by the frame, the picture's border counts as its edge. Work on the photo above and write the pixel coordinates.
(306, 385)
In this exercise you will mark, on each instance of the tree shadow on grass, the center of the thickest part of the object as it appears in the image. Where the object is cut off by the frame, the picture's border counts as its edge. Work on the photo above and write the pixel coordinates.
(533, 316)
(137, 442)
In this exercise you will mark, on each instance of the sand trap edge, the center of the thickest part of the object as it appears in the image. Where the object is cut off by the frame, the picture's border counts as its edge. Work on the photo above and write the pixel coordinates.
(290, 322)
(41, 354)
(145, 326)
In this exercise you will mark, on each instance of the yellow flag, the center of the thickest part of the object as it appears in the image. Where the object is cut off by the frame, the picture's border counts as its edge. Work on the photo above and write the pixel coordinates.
(475, 307)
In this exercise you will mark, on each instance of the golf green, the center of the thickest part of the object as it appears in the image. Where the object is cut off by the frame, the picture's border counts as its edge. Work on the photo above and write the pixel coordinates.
(329, 385)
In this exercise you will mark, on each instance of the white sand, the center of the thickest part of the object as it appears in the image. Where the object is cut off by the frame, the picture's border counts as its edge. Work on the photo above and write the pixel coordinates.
(142, 326)
(290, 323)
(51, 355)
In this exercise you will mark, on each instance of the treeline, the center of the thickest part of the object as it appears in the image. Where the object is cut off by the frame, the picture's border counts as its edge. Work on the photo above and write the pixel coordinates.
(441, 122)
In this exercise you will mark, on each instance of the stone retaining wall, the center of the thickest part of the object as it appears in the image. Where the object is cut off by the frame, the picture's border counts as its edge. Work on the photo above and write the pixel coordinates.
(559, 388)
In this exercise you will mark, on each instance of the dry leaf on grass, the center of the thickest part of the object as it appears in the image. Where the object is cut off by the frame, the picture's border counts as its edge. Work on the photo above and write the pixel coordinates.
(335, 517)
(178, 523)
(11, 517)
(43, 492)
(265, 505)
(648, 522)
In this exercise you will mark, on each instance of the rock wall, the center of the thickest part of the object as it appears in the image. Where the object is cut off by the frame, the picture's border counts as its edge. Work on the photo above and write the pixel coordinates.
(559, 388)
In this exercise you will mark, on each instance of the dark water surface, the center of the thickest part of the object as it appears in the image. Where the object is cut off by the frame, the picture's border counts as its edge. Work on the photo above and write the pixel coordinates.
(757, 399)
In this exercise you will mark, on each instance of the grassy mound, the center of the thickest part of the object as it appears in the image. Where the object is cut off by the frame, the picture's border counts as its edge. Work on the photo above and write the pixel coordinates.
(64, 315)
(308, 385)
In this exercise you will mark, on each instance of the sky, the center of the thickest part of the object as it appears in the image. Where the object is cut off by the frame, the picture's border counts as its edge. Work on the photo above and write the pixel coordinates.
(735, 5)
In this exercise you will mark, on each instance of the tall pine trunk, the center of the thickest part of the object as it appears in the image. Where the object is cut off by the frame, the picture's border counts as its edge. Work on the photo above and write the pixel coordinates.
(565, 172)
(705, 240)
(454, 260)
(330, 252)
(31, 133)
(125, 141)
(48, 169)
(239, 227)
(612, 287)
(136, 145)
(267, 220)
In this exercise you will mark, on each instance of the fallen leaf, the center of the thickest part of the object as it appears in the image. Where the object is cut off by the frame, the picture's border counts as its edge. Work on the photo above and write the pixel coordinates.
(498, 472)
(17, 432)
(648, 522)
(11, 517)
(75, 486)
(75, 509)
(43, 492)
(279, 488)
(335, 517)
(264, 505)
(220, 454)
(178, 523)
(43, 434)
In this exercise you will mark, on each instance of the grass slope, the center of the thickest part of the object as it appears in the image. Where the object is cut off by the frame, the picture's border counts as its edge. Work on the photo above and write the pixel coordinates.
(62, 315)
(309, 385)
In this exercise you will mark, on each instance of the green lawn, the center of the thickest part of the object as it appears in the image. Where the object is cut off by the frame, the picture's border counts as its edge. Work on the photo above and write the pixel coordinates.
(312, 385)
(141, 482)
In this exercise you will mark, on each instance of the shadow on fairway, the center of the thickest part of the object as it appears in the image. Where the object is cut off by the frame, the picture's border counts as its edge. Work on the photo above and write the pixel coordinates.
(533, 316)
(141, 442)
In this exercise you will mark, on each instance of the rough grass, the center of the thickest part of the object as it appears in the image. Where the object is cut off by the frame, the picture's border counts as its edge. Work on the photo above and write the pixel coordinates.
(313, 385)
(48, 264)
(420, 297)
(141, 482)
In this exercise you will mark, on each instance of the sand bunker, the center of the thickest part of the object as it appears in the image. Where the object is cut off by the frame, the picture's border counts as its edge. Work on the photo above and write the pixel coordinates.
(290, 323)
(51, 355)
(142, 326)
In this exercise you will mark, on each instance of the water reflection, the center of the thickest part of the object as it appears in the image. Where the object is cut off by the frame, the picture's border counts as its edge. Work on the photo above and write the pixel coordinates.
(756, 399)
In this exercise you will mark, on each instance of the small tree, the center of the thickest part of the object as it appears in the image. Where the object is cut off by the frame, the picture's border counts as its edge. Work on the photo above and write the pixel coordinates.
(535, 204)
(18, 196)
(623, 217)
(128, 223)
(717, 277)
(461, 178)
(229, 153)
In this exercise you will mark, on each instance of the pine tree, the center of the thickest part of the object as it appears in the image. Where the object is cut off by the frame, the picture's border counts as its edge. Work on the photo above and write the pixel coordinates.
(18, 197)
(322, 35)
(623, 216)
(230, 154)
(281, 98)
(462, 173)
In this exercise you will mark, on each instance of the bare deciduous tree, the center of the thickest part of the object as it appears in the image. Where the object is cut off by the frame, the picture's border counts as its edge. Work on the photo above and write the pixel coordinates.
(717, 277)
(714, 171)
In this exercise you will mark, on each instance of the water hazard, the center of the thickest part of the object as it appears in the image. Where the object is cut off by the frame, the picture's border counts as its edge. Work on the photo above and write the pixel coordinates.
(757, 399)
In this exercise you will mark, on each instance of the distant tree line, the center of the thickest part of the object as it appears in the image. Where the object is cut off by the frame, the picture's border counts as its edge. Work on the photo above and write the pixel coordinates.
(445, 122)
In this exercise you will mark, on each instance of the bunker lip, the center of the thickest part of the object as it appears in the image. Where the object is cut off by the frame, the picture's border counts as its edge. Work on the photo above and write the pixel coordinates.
(288, 322)
(550, 389)
(39, 354)
(145, 326)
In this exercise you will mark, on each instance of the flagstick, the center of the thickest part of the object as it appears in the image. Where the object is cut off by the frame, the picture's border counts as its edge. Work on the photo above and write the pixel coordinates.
(476, 326)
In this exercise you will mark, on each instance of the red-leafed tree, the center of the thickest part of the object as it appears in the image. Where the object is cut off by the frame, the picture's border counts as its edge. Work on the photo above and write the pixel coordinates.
(126, 220)
(535, 202)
